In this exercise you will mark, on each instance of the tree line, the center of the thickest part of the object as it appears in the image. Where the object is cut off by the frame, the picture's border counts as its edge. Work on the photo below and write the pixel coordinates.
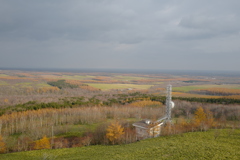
(117, 132)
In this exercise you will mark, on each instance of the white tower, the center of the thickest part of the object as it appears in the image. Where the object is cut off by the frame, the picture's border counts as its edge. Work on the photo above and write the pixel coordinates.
(169, 103)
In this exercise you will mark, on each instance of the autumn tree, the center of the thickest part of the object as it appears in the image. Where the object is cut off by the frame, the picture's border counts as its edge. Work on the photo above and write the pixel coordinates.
(167, 129)
(2, 145)
(43, 143)
(129, 135)
(203, 119)
(23, 143)
(6, 100)
(210, 120)
(200, 115)
(0, 126)
(114, 132)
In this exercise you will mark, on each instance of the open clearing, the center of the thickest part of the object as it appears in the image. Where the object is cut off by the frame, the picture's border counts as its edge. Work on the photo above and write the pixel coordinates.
(118, 86)
(193, 145)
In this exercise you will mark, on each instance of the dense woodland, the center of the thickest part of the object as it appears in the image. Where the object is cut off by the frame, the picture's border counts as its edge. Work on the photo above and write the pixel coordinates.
(61, 110)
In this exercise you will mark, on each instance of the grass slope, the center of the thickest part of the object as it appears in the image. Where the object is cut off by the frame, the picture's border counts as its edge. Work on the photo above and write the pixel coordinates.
(196, 145)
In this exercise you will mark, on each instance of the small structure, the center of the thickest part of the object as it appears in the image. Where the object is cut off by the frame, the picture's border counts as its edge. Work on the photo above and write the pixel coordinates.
(147, 128)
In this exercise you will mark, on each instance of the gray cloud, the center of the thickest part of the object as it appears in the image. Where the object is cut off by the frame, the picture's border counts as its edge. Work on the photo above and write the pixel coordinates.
(120, 34)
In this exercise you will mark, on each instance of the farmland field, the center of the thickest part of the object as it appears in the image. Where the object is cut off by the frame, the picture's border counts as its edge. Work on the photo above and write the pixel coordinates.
(189, 88)
(25, 82)
(128, 78)
(184, 94)
(118, 86)
(213, 144)
(3, 75)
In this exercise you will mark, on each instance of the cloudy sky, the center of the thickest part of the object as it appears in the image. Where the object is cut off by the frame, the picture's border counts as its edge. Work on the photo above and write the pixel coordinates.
(134, 34)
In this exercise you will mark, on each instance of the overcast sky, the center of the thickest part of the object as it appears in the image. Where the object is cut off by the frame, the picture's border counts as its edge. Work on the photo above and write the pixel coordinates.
(134, 34)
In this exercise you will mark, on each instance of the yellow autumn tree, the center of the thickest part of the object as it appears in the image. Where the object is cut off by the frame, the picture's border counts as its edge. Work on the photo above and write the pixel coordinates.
(200, 118)
(114, 132)
(43, 143)
(2, 145)
(6, 100)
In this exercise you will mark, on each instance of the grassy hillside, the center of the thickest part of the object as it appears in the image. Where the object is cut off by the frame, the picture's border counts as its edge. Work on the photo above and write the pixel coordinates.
(214, 144)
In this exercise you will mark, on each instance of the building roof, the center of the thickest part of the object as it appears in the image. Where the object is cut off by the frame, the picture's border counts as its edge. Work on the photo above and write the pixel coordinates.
(146, 123)
(142, 124)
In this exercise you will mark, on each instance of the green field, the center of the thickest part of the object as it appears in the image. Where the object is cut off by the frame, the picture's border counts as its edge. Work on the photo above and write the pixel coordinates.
(190, 88)
(27, 84)
(31, 84)
(194, 145)
(43, 85)
(4, 75)
(118, 86)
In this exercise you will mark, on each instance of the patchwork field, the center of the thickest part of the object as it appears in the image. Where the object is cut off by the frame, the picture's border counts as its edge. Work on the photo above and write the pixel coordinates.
(26, 82)
(213, 144)
(182, 85)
